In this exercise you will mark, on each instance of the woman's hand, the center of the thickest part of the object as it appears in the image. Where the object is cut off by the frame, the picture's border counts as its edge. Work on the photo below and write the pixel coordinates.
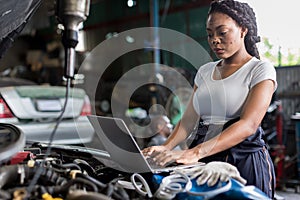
(163, 156)
(189, 156)
(153, 150)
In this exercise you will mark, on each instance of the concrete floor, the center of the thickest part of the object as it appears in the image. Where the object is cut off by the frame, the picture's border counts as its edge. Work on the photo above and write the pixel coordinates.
(288, 194)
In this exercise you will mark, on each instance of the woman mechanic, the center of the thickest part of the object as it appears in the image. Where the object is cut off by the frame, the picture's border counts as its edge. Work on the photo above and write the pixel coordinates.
(230, 99)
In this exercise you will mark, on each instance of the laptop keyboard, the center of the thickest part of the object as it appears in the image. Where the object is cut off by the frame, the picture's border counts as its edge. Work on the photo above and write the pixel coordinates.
(154, 165)
(171, 166)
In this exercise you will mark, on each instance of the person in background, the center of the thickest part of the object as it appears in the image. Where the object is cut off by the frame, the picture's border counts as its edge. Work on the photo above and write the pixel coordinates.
(231, 96)
(162, 128)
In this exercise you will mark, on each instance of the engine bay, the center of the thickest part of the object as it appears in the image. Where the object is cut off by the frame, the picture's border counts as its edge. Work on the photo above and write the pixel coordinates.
(40, 171)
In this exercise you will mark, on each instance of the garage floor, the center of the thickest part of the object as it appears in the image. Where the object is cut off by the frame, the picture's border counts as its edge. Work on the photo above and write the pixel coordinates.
(288, 194)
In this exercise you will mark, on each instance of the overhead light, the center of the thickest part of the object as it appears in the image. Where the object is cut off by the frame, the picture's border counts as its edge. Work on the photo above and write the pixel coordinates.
(111, 34)
(131, 3)
(129, 39)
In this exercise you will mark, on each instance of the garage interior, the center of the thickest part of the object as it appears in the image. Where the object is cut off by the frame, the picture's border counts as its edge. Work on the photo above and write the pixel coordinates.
(37, 54)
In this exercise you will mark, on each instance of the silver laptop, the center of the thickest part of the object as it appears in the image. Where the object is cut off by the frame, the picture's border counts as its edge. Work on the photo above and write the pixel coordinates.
(122, 147)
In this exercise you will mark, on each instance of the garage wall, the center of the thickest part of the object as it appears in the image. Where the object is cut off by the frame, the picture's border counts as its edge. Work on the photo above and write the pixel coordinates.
(185, 16)
(114, 16)
(288, 90)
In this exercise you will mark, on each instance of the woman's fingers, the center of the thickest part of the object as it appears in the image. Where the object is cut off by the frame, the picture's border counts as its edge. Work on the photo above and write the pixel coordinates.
(165, 157)
(151, 150)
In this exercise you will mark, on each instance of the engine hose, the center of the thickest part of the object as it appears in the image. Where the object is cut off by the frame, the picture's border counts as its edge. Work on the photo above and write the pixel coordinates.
(120, 193)
(85, 166)
(93, 180)
(5, 195)
(8, 174)
(49, 175)
(11, 174)
(66, 166)
(109, 189)
(116, 192)
(65, 188)
(83, 195)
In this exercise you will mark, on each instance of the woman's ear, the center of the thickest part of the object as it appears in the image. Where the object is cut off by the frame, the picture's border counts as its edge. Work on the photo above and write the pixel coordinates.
(244, 32)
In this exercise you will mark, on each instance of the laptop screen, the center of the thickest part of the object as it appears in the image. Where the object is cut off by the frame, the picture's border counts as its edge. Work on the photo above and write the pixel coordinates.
(117, 133)
(119, 143)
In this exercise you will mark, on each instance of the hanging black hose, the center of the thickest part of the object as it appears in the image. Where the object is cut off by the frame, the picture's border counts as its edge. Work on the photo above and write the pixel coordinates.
(59, 119)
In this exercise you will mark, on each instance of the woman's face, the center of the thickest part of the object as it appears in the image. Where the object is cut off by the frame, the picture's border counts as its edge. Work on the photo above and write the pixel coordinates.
(225, 37)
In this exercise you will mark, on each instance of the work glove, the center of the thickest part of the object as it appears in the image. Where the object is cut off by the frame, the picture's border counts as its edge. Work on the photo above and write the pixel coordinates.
(212, 172)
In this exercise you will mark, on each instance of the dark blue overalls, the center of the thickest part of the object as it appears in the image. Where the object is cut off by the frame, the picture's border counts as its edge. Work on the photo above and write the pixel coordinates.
(251, 158)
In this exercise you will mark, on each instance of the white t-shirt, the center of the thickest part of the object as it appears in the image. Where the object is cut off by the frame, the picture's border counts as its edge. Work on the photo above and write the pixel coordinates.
(218, 101)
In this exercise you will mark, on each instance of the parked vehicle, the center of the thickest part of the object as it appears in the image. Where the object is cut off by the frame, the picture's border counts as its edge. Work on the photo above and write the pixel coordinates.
(35, 108)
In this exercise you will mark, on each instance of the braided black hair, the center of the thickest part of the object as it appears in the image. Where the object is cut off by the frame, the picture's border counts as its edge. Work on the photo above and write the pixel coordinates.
(244, 15)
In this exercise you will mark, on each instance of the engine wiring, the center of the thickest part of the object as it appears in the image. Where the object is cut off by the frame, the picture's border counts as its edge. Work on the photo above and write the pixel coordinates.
(58, 121)
(61, 176)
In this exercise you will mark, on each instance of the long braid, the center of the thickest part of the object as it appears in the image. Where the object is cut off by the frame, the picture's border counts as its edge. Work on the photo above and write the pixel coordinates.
(244, 15)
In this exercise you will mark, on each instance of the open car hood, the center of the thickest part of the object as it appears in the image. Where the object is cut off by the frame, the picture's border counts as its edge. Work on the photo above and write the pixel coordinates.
(14, 15)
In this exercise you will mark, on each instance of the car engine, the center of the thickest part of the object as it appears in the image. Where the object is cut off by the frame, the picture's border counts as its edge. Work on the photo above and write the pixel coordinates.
(54, 172)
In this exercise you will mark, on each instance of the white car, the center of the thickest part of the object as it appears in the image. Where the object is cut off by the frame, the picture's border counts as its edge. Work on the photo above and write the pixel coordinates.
(35, 108)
